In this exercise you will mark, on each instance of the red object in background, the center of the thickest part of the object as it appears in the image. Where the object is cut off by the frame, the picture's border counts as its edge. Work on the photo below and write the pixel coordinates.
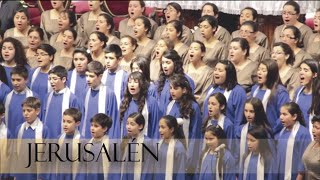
(309, 22)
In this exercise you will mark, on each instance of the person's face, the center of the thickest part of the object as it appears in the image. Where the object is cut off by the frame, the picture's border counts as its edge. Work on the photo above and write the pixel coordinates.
(80, 62)
(161, 47)
(195, 53)
(63, 22)
(207, 10)
(18, 82)
(164, 130)
(171, 33)
(94, 5)
(279, 56)
(171, 14)
(8, 51)
(97, 131)
(20, 21)
(68, 39)
(287, 119)
(262, 74)
(246, 15)
(133, 128)
(102, 25)
(93, 80)
(134, 9)
(289, 15)
(57, 4)
(44, 59)
(136, 68)
(207, 31)
(177, 92)
(219, 74)
(247, 33)
(236, 53)
(253, 143)
(126, 46)
(69, 124)
(288, 37)
(306, 75)
(167, 66)
(316, 131)
(112, 62)
(211, 141)
(214, 107)
(316, 21)
(139, 29)
(134, 87)
(30, 114)
(34, 40)
(94, 43)
(249, 112)
(56, 82)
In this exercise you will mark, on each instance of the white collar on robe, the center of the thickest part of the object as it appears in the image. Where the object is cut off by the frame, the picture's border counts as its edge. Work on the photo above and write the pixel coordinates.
(97, 88)
(62, 91)
(34, 125)
(22, 92)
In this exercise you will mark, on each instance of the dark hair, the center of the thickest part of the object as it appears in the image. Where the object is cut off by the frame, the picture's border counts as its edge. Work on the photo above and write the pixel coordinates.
(293, 108)
(71, 16)
(103, 120)
(109, 20)
(178, 26)
(295, 30)
(19, 56)
(202, 46)
(295, 5)
(3, 75)
(243, 44)
(144, 64)
(144, 85)
(287, 51)
(102, 37)
(146, 23)
(186, 100)
(252, 24)
(2, 109)
(178, 133)
(253, 12)
(83, 51)
(231, 74)
(142, 3)
(214, 7)
(261, 134)
(177, 7)
(178, 69)
(23, 10)
(95, 67)
(222, 101)
(114, 48)
(210, 19)
(38, 30)
(21, 71)
(48, 49)
(132, 40)
(60, 71)
(32, 102)
(315, 118)
(73, 32)
(74, 113)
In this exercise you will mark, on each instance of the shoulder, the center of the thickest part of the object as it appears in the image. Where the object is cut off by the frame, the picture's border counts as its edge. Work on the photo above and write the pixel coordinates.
(238, 90)
(281, 89)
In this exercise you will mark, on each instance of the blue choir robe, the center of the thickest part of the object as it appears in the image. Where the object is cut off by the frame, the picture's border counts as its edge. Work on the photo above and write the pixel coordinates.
(8, 74)
(164, 97)
(4, 90)
(153, 115)
(92, 108)
(112, 80)
(148, 161)
(301, 141)
(207, 166)
(152, 90)
(79, 85)
(194, 137)
(40, 85)
(13, 113)
(179, 158)
(235, 103)
(252, 168)
(280, 97)
(6, 146)
(53, 113)
(22, 155)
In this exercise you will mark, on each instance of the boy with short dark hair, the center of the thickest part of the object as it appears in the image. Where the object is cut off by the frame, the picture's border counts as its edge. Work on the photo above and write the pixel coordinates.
(13, 115)
(98, 99)
(58, 101)
(114, 77)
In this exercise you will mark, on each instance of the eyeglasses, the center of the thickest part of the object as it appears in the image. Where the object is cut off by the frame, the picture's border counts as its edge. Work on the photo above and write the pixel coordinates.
(287, 36)
(246, 32)
(54, 79)
(288, 13)
(41, 54)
